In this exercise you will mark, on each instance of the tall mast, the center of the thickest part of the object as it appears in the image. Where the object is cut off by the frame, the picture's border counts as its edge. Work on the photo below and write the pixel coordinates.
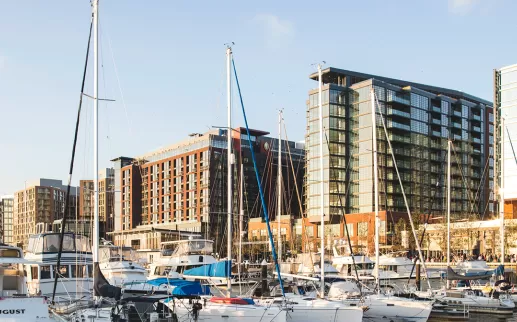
(241, 223)
(279, 201)
(375, 188)
(501, 193)
(229, 158)
(322, 201)
(95, 134)
(449, 143)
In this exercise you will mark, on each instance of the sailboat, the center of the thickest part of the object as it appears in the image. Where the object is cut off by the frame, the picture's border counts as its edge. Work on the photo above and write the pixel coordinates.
(225, 308)
(383, 306)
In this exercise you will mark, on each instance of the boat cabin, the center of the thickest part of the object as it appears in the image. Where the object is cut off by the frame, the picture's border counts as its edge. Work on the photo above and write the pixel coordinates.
(12, 276)
(178, 256)
(42, 252)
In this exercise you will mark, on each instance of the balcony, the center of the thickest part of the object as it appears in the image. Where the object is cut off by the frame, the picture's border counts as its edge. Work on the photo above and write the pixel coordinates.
(456, 125)
(399, 138)
(476, 140)
(437, 109)
(457, 113)
(436, 145)
(398, 113)
(476, 129)
(391, 124)
(436, 133)
(436, 121)
(476, 117)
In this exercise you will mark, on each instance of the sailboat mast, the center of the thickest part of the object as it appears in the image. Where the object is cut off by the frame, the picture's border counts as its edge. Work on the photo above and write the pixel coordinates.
(229, 157)
(449, 143)
(322, 185)
(241, 223)
(501, 193)
(95, 236)
(375, 188)
(279, 179)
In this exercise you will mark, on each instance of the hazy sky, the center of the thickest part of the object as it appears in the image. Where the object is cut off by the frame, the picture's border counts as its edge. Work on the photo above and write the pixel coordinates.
(170, 64)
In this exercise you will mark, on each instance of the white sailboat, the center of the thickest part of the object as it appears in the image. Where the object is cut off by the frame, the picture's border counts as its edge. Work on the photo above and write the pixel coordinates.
(382, 306)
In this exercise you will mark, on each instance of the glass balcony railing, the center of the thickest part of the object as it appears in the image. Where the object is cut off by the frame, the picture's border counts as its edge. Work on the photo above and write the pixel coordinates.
(476, 128)
(392, 124)
(436, 133)
(435, 121)
(457, 113)
(456, 125)
(476, 140)
(476, 117)
(397, 112)
(437, 109)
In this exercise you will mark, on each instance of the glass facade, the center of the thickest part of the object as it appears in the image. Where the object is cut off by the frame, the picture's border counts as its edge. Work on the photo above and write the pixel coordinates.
(506, 106)
(419, 123)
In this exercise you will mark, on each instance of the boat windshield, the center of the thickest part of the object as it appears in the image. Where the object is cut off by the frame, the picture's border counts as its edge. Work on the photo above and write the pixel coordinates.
(10, 253)
(49, 243)
(115, 254)
(187, 247)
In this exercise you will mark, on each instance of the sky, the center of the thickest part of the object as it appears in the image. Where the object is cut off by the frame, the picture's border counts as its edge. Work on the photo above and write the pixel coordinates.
(163, 62)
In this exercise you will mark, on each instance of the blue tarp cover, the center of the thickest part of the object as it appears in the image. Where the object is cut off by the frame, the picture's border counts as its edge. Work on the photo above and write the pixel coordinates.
(181, 287)
(219, 269)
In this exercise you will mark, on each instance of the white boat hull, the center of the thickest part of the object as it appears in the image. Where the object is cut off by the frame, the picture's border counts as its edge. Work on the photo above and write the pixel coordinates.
(215, 312)
(391, 308)
(23, 309)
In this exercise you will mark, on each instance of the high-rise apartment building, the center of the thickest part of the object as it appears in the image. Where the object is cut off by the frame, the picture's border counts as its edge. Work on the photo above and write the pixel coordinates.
(505, 103)
(420, 119)
(39, 204)
(183, 187)
(6, 219)
(106, 200)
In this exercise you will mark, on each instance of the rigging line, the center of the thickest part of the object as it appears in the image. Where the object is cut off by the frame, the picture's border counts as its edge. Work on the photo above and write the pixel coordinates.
(119, 85)
(67, 201)
(429, 210)
(343, 209)
(268, 168)
(106, 110)
(458, 160)
(482, 179)
(273, 248)
(304, 230)
(511, 144)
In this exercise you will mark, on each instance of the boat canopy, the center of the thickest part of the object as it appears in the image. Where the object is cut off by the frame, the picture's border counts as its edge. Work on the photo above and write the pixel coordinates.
(219, 269)
(189, 246)
(181, 287)
(110, 253)
(452, 275)
(49, 243)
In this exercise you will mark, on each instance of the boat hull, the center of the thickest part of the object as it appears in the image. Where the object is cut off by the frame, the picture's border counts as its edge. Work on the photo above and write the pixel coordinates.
(215, 312)
(18, 309)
